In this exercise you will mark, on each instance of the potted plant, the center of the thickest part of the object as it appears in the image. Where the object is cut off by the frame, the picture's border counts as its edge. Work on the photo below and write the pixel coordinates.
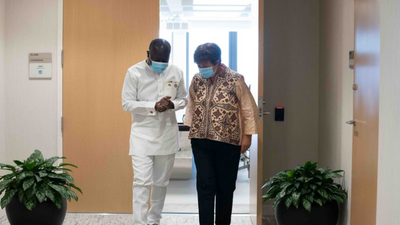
(35, 190)
(306, 195)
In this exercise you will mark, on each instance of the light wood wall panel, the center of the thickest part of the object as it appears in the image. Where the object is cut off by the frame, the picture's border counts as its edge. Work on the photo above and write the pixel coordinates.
(102, 39)
(366, 113)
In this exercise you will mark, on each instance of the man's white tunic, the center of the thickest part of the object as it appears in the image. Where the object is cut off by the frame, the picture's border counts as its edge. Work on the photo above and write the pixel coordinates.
(152, 132)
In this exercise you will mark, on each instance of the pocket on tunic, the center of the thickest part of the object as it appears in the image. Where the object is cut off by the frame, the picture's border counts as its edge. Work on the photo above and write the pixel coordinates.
(170, 89)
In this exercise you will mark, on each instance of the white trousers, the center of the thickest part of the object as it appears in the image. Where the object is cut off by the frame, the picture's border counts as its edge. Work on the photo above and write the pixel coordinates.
(155, 171)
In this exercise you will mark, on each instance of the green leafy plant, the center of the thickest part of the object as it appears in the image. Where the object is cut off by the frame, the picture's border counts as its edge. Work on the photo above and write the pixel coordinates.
(304, 185)
(36, 180)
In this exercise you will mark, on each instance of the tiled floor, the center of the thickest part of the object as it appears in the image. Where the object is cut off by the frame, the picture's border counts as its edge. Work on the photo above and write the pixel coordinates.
(126, 219)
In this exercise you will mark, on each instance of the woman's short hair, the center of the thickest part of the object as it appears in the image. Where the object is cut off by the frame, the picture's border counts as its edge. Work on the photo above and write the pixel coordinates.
(207, 52)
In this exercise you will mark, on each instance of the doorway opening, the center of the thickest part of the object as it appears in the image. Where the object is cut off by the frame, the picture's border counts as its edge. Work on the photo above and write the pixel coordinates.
(233, 26)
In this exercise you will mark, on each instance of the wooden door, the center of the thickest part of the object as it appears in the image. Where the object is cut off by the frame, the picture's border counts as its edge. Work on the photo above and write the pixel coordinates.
(366, 113)
(256, 149)
(101, 40)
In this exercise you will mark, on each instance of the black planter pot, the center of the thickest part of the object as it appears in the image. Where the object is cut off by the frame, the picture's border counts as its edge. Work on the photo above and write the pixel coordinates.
(320, 215)
(45, 213)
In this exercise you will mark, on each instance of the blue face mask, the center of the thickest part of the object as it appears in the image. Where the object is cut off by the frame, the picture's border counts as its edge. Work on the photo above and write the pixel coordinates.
(206, 72)
(159, 67)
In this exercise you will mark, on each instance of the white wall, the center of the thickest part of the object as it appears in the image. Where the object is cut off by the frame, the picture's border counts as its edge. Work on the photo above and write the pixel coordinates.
(2, 80)
(388, 203)
(28, 108)
(31, 105)
(335, 91)
(291, 62)
(2, 86)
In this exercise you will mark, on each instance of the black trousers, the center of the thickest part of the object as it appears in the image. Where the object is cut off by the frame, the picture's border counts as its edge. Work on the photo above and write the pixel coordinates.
(217, 166)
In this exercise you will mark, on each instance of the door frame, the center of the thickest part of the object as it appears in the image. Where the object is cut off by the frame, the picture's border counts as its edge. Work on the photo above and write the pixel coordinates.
(256, 208)
(257, 217)
(59, 58)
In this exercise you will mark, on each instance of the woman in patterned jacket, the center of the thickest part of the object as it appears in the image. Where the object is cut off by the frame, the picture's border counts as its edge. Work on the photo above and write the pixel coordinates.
(222, 116)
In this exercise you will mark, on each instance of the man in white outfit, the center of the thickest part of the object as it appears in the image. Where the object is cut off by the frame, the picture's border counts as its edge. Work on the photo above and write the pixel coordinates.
(153, 90)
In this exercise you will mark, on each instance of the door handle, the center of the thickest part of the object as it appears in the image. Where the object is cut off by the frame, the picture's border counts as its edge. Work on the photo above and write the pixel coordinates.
(261, 112)
(351, 122)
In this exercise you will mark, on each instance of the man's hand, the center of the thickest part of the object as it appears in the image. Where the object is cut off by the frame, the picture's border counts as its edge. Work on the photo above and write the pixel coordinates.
(246, 142)
(164, 104)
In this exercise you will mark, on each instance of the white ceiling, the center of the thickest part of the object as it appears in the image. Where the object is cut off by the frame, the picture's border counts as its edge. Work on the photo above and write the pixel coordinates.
(206, 13)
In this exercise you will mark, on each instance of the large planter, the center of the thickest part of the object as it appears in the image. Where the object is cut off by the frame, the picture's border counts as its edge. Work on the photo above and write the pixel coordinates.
(45, 213)
(326, 214)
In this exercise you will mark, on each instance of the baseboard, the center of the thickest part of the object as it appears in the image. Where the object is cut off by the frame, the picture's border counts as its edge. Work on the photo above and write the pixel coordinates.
(268, 210)
(2, 211)
(268, 215)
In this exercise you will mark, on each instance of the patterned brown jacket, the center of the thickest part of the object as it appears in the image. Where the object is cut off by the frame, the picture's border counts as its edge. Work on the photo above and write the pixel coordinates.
(223, 111)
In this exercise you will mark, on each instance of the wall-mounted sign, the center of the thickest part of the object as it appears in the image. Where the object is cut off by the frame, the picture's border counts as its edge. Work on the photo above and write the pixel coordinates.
(40, 65)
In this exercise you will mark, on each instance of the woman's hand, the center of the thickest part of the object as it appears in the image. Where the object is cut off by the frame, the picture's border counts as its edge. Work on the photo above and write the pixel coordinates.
(246, 142)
